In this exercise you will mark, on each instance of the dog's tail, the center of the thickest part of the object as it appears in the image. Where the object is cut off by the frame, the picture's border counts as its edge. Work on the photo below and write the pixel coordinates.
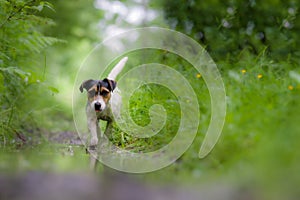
(117, 69)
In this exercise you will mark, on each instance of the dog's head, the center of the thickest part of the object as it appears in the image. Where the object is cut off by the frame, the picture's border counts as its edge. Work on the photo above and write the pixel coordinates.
(99, 92)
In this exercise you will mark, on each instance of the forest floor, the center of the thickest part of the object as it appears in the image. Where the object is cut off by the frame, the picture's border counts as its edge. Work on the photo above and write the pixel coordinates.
(108, 184)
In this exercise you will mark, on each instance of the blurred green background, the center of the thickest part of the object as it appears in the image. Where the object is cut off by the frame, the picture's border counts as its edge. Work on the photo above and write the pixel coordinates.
(255, 44)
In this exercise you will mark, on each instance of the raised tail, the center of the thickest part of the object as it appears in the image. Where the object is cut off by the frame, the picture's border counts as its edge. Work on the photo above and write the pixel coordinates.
(117, 69)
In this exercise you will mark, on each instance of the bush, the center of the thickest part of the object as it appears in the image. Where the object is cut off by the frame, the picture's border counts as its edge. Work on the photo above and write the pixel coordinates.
(21, 43)
(228, 28)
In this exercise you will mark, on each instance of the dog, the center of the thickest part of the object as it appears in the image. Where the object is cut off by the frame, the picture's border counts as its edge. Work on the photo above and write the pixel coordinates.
(102, 96)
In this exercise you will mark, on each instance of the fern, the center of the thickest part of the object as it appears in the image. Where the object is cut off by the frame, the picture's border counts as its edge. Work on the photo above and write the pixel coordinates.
(21, 41)
(37, 43)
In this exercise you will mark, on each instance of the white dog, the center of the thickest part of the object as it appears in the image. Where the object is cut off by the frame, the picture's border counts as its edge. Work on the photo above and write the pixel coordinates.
(102, 96)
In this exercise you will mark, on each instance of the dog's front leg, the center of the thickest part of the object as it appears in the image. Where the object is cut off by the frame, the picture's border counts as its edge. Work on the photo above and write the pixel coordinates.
(93, 127)
(108, 129)
(109, 126)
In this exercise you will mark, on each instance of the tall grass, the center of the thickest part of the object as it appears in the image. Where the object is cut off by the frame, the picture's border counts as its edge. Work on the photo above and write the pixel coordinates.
(259, 140)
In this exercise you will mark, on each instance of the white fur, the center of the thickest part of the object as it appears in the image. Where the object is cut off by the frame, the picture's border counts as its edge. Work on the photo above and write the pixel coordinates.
(109, 111)
(117, 69)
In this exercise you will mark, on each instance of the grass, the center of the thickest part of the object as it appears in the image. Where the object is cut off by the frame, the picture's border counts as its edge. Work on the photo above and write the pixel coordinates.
(259, 140)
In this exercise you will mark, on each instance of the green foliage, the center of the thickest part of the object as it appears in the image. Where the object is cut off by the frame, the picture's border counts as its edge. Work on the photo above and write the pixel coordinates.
(229, 27)
(21, 42)
(140, 103)
(258, 142)
(148, 95)
(75, 21)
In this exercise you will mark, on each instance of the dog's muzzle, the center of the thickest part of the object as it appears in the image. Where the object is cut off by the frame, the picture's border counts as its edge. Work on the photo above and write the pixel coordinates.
(98, 107)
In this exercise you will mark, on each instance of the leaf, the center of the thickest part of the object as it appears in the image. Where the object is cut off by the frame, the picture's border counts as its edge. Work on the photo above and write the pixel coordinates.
(53, 89)
(20, 73)
(42, 5)
(16, 71)
(39, 7)
(48, 5)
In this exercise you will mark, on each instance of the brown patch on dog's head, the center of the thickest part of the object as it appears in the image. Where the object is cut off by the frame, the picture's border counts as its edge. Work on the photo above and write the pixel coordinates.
(98, 90)
(105, 93)
(92, 93)
(89, 84)
(111, 84)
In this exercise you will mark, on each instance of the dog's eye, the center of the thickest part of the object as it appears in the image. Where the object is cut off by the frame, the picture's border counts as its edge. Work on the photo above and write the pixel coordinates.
(91, 93)
(104, 93)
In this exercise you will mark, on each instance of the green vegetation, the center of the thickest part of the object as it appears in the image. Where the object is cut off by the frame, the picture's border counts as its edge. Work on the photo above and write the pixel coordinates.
(23, 64)
(229, 28)
(254, 43)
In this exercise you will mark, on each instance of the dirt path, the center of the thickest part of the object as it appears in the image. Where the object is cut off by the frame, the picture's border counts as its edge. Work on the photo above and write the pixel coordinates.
(117, 186)
(66, 137)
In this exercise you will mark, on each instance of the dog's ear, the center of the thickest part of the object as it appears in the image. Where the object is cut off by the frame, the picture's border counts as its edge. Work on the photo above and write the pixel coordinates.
(111, 84)
(87, 84)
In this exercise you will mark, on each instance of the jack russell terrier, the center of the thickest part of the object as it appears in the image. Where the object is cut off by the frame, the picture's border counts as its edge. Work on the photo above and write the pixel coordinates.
(102, 96)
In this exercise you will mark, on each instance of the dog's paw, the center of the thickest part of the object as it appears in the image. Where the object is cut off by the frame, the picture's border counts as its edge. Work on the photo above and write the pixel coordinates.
(92, 150)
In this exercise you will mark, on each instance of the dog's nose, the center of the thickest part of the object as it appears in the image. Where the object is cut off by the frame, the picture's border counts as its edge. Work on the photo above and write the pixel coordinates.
(98, 106)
